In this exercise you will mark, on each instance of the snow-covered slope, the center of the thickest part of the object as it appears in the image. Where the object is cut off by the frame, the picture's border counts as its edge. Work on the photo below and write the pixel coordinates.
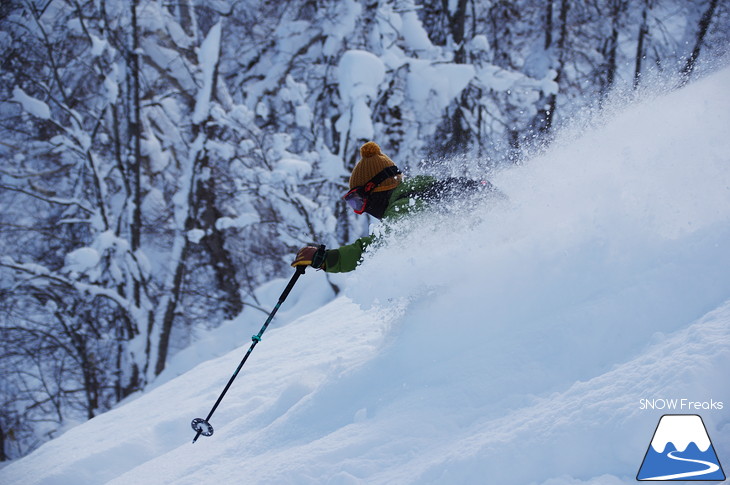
(511, 344)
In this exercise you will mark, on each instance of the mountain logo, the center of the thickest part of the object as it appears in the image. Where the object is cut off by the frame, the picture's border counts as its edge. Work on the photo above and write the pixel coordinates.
(680, 450)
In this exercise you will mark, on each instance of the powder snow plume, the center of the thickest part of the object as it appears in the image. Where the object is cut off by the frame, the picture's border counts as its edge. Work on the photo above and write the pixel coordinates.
(511, 342)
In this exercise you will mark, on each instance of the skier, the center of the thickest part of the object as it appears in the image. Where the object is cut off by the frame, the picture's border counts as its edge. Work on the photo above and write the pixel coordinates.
(377, 187)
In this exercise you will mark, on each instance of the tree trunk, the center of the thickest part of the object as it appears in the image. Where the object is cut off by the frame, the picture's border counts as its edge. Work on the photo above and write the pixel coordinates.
(3, 456)
(163, 344)
(457, 23)
(611, 50)
(135, 130)
(540, 121)
(460, 136)
(701, 32)
(548, 24)
(643, 31)
(214, 243)
(562, 40)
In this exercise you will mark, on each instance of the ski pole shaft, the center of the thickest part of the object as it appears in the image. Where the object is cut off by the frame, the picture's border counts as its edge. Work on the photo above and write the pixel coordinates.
(256, 339)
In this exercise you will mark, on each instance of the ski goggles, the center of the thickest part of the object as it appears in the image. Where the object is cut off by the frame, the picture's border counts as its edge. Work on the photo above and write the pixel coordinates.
(357, 198)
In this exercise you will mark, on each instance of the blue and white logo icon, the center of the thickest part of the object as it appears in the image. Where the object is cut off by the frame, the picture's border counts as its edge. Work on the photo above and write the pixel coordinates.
(680, 450)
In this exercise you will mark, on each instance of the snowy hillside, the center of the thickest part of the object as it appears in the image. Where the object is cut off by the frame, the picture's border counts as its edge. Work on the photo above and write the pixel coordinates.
(511, 344)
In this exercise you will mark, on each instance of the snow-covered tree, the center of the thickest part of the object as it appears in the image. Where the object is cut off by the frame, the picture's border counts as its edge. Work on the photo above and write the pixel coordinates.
(159, 161)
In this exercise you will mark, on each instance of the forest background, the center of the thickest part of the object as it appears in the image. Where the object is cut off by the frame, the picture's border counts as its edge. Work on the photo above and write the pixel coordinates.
(160, 160)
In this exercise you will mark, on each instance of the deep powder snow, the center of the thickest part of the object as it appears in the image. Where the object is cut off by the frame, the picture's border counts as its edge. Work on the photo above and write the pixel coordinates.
(508, 342)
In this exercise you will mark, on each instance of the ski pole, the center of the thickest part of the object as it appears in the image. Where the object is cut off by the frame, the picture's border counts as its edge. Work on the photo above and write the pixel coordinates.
(203, 426)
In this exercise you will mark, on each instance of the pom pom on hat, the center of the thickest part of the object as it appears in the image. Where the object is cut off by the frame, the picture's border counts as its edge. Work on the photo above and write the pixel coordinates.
(373, 161)
(370, 149)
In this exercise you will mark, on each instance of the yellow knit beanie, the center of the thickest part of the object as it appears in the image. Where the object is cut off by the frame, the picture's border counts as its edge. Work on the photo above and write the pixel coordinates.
(373, 161)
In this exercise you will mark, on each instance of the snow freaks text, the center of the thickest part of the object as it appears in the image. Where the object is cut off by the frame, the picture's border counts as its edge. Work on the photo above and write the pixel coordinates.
(680, 405)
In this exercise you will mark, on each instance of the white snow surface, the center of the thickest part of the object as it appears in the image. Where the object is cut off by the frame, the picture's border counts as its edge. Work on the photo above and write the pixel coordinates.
(208, 59)
(82, 259)
(32, 105)
(414, 34)
(359, 73)
(510, 343)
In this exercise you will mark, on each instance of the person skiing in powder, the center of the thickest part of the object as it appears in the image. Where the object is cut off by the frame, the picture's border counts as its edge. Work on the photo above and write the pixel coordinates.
(377, 187)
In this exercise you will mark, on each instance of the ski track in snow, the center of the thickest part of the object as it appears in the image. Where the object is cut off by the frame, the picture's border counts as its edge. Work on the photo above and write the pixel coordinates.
(509, 348)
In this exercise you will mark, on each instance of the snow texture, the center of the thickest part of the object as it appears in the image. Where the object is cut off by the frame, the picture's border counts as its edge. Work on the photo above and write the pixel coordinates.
(82, 259)
(414, 34)
(509, 343)
(32, 105)
(445, 81)
(359, 75)
(208, 60)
